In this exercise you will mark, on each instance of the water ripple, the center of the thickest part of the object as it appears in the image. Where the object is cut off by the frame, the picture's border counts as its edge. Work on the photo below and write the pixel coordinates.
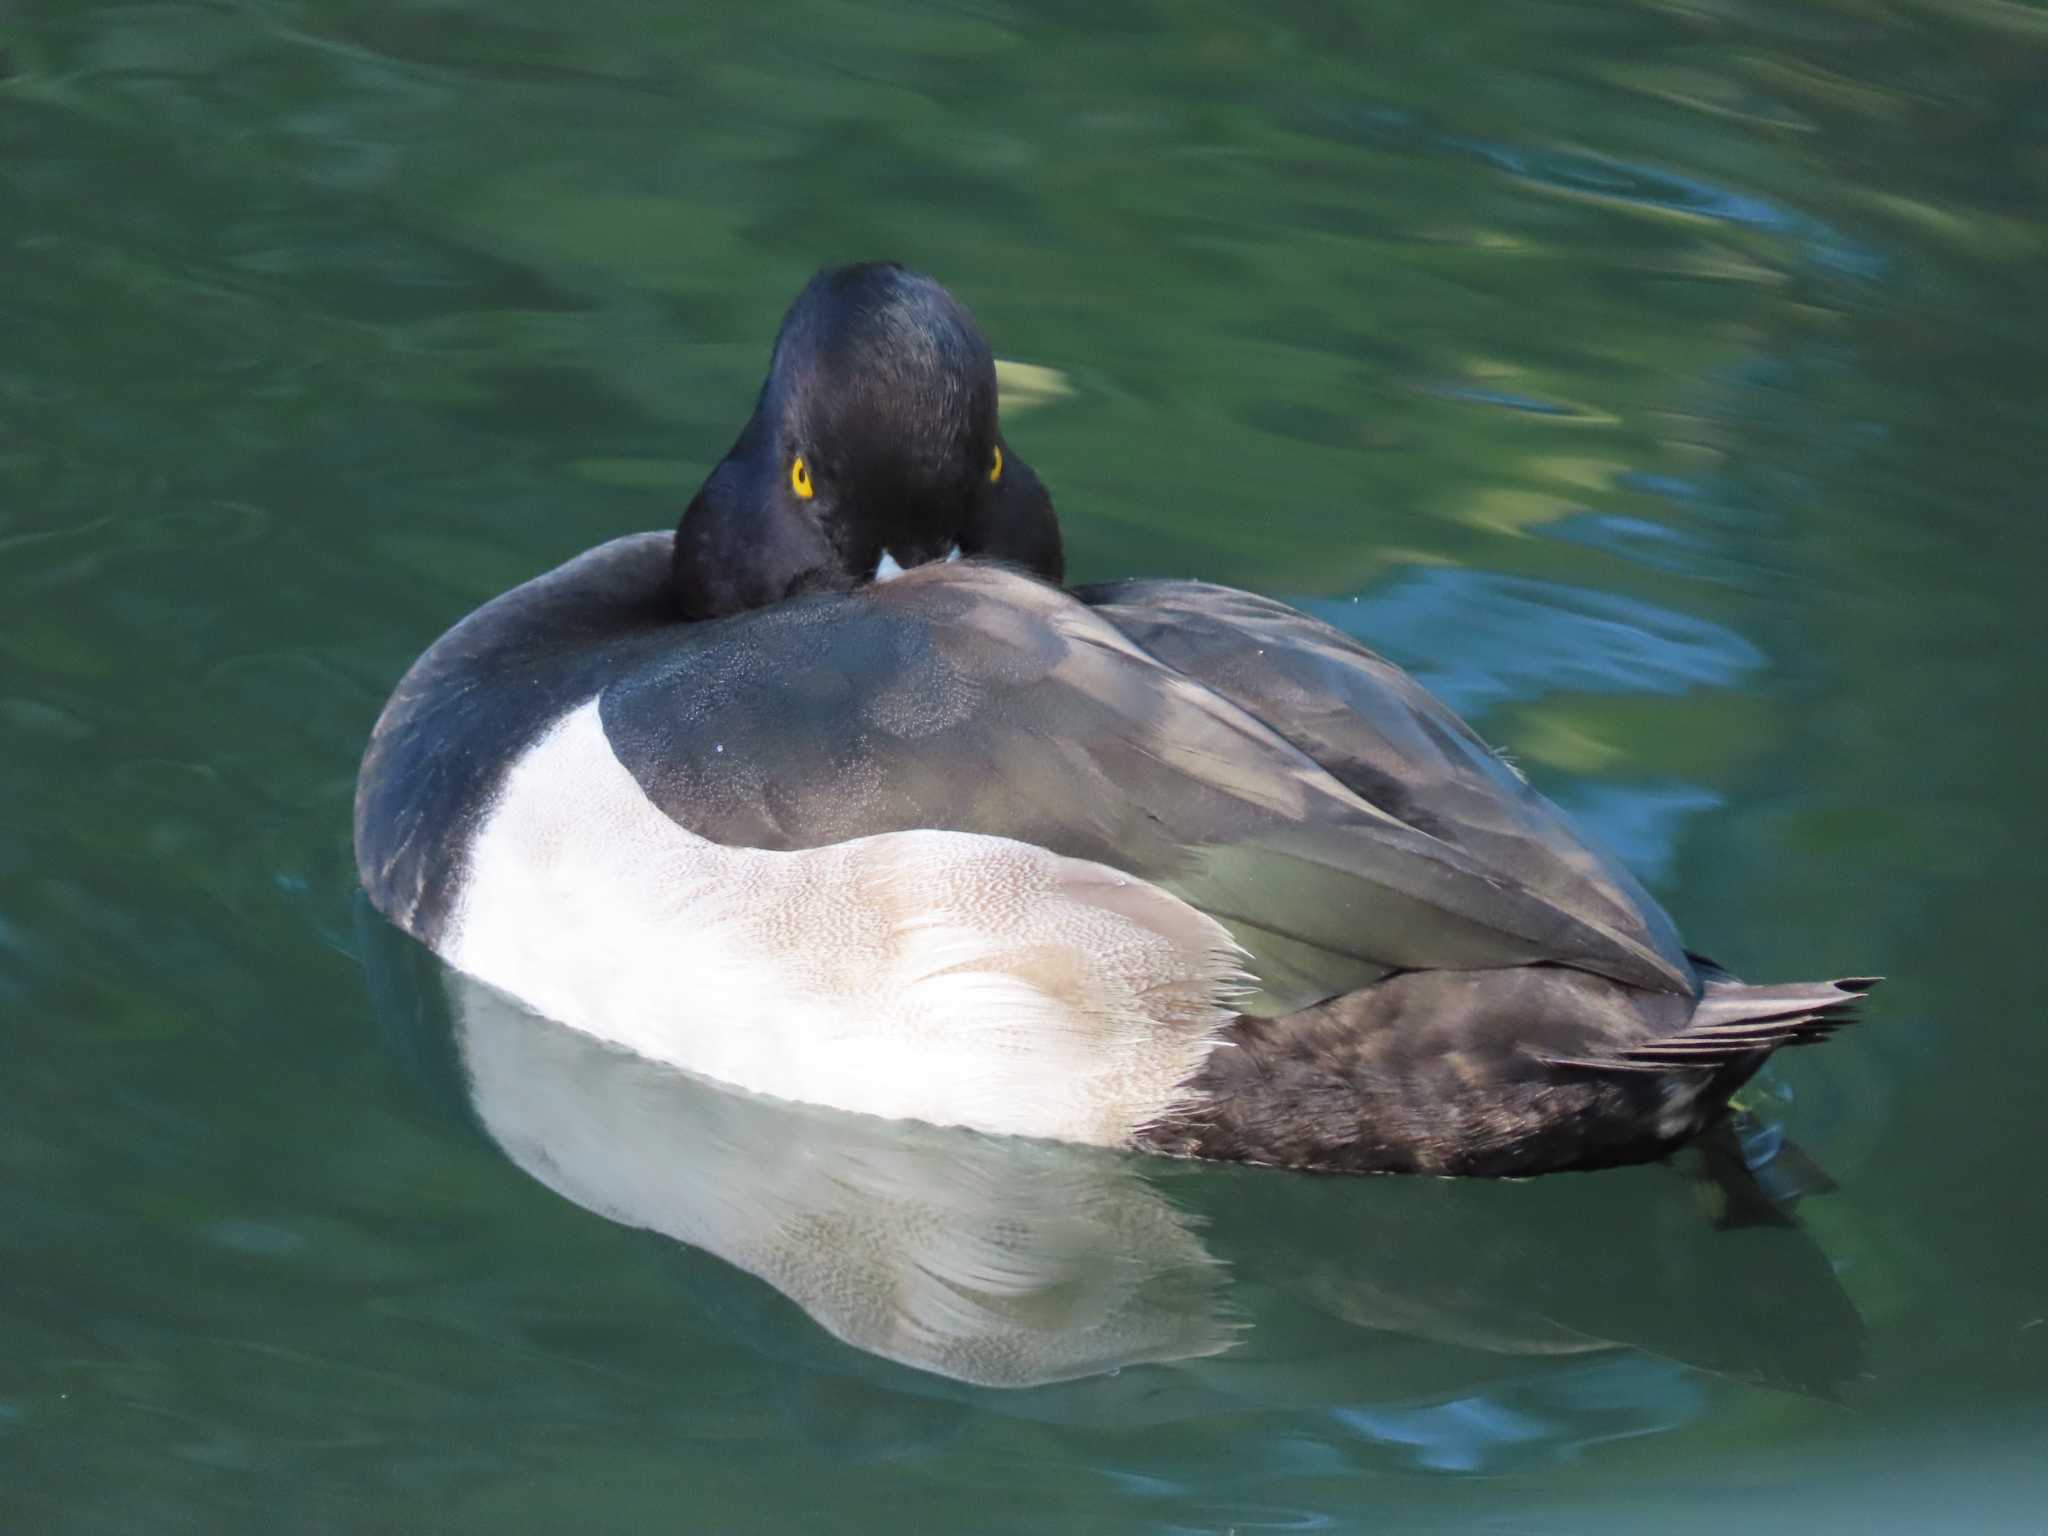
(1478, 639)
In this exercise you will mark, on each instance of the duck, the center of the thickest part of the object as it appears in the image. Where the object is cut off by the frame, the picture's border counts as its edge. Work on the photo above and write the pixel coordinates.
(838, 793)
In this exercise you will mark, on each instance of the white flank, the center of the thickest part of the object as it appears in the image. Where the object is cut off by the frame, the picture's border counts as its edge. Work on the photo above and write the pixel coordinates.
(937, 976)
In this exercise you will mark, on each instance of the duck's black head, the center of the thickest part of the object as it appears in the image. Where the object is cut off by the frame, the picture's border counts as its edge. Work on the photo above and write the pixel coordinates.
(874, 443)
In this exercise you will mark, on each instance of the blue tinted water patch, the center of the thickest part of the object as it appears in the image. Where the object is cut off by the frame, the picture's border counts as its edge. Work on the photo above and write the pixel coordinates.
(1656, 546)
(1644, 185)
(1508, 400)
(1702, 543)
(1143, 1485)
(1638, 823)
(1623, 1398)
(1670, 487)
(1465, 1435)
(1618, 529)
(1623, 181)
(1552, 1418)
(1478, 639)
(1714, 501)
(1647, 186)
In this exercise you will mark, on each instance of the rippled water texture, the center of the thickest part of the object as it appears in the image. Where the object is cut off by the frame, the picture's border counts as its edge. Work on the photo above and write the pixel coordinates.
(1662, 382)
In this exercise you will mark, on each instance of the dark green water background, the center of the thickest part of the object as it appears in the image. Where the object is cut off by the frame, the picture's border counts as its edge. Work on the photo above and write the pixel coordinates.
(1664, 382)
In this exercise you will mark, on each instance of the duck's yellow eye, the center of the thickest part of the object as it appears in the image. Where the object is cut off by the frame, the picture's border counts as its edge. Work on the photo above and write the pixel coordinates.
(995, 468)
(800, 478)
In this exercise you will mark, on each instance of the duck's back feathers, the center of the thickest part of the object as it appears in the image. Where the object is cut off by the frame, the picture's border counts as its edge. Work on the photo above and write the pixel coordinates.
(969, 698)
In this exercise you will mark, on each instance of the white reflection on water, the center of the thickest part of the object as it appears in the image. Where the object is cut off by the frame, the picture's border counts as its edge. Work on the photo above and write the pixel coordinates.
(999, 1262)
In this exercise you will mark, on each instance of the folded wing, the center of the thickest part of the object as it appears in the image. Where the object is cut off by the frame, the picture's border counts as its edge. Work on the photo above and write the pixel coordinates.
(971, 699)
(1388, 740)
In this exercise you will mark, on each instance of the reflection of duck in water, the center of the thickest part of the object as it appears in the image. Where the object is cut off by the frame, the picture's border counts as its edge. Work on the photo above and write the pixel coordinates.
(1007, 1262)
(995, 1261)
(1153, 864)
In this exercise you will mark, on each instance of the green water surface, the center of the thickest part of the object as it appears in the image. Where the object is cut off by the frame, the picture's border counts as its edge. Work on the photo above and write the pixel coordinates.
(1664, 382)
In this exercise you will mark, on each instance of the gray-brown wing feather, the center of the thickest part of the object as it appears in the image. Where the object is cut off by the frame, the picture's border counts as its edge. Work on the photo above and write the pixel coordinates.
(1382, 735)
(971, 699)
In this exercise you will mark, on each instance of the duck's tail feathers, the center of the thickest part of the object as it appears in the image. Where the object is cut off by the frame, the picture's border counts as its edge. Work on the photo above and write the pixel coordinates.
(1736, 1024)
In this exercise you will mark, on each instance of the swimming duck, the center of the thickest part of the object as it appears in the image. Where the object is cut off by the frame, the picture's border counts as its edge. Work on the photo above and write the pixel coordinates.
(837, 794)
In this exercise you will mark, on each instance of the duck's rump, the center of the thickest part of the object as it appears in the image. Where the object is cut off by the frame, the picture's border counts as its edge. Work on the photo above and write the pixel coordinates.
(1531, 1069)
